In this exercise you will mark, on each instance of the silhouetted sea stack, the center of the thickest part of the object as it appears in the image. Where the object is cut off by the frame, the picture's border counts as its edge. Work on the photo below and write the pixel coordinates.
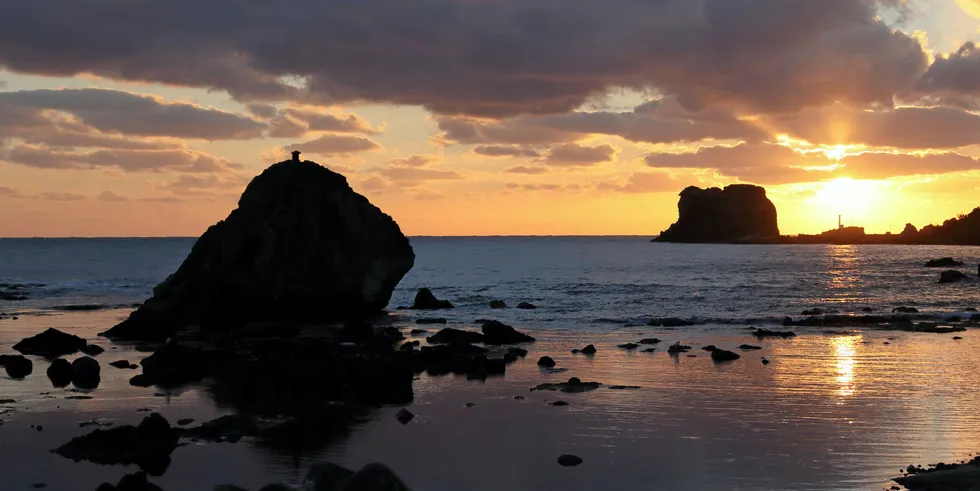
(302, 245)
(738, 212)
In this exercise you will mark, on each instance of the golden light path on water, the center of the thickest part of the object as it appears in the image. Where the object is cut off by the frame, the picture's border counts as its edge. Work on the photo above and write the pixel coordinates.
(844, 350)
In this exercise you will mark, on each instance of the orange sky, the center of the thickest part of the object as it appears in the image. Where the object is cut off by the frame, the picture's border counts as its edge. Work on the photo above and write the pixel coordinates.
(874, 119)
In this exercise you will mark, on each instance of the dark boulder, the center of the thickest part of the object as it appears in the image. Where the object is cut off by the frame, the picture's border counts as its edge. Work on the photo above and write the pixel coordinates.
(373, 477)
(946, 262)
(519, 352)
(17, 366)
(526, 306)
(93, 350)
(497, 333)
(146, 445)
(678, 348)
(85, 373)
(301, 246)
(588, 350)
(709, 347)
(131, 482)
(326, 476)
(172, 365)
(951, 276)
(569, 460)
(905, 310)
(498, 304)
(738, 212)
(650, 341)
(766, 333)
(546, 361)
(455, 336)
(720, 355)
(573, 386)
(629, 346)
(59, 372)
(123, 364)
(431, 320)
(749, 347)
(51, 343)
(425, 300)
(404, 416)
(813, 312)
(225, 428)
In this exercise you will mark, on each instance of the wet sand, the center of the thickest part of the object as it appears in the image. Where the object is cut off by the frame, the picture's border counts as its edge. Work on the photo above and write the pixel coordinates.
(830, 412)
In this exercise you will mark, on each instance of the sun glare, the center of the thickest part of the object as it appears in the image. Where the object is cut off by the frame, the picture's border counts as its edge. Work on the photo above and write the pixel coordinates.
(855, 199)
(836, 152)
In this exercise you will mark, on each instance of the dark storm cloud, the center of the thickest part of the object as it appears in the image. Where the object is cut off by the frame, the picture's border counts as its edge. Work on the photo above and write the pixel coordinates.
(775, 164)
(488, 58)
(133, 114)
(953, 78)
(661, 121)
(573, 154)
(904, 127)
(125, 160)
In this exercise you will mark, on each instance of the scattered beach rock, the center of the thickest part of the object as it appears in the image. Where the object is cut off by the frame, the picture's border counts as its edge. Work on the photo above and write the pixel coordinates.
(546, 361)
(629, 346)
(85, 373)
(766, 333)
(526, 306)
(497, 333)
(92, 350)
(812, 312)
(709, 347)
(588, 350)
(426, 300)
(498, 304)
(749, 347)
(373, 477)
(906, 310)
(720, 355)
(650, 350)
(17, 366)
(326, 476)
(431, 320)
(569, 460)
(59, 372)
(416, 332)
(184, 421)
(946, 262)
(678, 348)
(942, 477)
(558, 403)
(51, 343)
(624, 387)
(172, 365)
(957, 338)
(146, 445)
(450, 335)
(302, 245)
(573, 386)
(131, 482)
(518, 352)
(951, 276)
(231, 427)
(124, 364)
(765, 361)
(650, 341)
(404, 416)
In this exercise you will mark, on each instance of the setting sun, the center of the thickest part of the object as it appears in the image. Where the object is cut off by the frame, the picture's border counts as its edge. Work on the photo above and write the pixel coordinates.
(856, 200)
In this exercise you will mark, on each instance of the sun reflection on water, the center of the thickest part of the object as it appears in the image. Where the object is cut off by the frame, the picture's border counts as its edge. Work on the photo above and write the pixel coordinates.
(844, 353)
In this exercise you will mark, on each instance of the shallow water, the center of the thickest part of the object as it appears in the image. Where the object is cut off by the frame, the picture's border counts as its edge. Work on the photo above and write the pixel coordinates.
(830, 412)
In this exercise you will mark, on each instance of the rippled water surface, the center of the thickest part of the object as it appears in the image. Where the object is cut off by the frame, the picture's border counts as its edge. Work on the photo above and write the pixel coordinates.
(830, 412)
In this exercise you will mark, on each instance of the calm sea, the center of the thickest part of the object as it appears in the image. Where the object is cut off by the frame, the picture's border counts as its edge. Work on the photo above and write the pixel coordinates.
(831, 412)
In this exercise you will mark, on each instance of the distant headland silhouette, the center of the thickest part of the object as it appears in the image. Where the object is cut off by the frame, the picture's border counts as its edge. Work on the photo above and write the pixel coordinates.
(742, 214)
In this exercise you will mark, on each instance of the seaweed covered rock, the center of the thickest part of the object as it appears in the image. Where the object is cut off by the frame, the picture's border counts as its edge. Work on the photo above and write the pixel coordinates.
(301, 246)
(737, 212)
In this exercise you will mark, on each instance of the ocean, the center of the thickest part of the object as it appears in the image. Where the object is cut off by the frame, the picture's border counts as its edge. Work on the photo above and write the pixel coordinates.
(833, 411)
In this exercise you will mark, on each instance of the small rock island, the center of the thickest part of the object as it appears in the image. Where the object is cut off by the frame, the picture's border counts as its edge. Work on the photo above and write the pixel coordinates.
(301, 246)
(738, 212)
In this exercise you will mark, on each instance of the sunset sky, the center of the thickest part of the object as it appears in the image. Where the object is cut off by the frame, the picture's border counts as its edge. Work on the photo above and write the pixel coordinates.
(488, 117)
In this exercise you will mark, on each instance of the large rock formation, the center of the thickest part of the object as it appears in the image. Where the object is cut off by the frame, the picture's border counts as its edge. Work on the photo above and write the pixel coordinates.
(302, 245)
(740, 211)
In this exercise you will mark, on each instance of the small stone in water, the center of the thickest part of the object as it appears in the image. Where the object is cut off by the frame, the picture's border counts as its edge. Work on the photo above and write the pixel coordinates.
(569, 460)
